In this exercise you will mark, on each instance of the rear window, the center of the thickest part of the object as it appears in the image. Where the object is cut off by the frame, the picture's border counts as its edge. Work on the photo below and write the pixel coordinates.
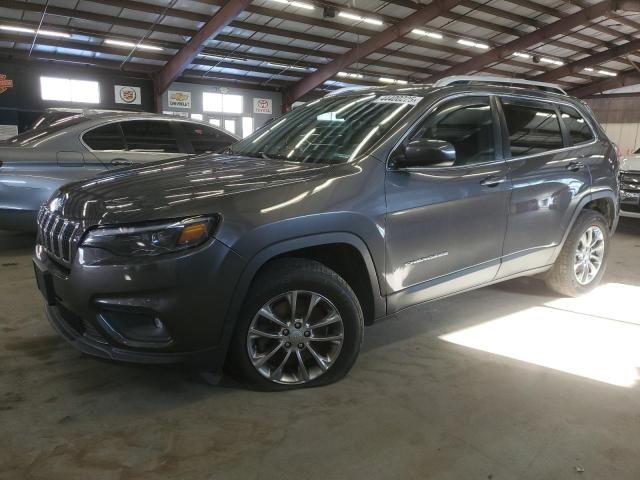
(106, 137)
(532, 129)
(578, 128)
(42, 134)
(206, 139)
(150, 136)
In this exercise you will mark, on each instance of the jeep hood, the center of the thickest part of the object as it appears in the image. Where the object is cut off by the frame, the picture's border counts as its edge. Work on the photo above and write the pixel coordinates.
(176, 188)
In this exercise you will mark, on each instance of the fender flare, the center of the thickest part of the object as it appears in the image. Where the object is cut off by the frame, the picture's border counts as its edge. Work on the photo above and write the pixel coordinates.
(263, 256)
(600, 194)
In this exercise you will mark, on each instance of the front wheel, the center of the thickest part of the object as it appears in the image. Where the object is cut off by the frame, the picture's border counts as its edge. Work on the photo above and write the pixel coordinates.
(302, 326)
(582, 260)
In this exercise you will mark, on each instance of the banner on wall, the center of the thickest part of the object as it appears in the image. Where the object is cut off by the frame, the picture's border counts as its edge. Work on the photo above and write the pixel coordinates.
(128, 95)
(179, 99)
(263, 105)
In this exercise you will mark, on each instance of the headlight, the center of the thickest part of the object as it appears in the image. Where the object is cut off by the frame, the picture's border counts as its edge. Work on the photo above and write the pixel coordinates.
(153, 239)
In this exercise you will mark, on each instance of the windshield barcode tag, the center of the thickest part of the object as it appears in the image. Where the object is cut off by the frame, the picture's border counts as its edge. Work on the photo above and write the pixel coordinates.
(407, 99)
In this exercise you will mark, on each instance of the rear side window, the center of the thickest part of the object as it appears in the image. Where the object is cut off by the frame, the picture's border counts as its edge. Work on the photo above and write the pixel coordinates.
(106, 137)
(150, 136)
(206, 139)
(577, 126)
(532, 129)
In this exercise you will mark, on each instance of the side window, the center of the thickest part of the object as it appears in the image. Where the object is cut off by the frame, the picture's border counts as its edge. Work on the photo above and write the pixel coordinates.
(578, 128)
(467, 124)
(107, 137)
(206, 139)
(532, 129)
(150, 136)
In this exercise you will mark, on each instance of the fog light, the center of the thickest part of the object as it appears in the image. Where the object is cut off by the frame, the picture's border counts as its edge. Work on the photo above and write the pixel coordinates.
(135, 328)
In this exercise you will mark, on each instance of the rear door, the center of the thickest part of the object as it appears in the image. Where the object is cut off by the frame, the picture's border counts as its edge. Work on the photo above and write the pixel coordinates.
(446, 225)
(548, 176)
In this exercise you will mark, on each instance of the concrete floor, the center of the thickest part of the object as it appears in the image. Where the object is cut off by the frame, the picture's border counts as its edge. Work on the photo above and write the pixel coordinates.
(505, 382)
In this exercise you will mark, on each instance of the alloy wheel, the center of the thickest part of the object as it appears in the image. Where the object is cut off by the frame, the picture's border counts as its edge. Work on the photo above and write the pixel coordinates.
(589, 255)
(295, 337)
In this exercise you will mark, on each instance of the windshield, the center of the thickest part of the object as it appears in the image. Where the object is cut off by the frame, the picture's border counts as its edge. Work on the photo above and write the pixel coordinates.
(637, 152)
(331, 130)
(42, 132)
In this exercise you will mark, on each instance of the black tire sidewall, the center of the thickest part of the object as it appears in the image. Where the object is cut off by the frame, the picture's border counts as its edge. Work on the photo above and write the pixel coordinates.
(298, 275)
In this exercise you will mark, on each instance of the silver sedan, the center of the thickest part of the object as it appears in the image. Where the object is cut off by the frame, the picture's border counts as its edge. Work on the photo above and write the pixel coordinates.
(35, 163)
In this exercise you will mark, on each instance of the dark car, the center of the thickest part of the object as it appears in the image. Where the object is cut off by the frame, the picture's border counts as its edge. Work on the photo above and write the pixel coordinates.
(273, 257)
(70, 146)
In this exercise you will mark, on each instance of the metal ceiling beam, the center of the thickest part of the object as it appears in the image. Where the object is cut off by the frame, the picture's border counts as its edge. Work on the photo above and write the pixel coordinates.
(536, 7)
(593, 60)
(368, 47)
(630, 77)
(178, 64)
(541, 35)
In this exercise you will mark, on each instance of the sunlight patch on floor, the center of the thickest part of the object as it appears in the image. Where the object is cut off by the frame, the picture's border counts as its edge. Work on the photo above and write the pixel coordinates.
(606, 350)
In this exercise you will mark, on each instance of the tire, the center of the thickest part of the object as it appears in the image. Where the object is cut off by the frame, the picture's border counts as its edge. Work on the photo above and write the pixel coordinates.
(274, 288)
(563, 278)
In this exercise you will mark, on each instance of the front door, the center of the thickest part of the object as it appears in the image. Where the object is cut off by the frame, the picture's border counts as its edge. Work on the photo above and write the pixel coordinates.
(446, 224)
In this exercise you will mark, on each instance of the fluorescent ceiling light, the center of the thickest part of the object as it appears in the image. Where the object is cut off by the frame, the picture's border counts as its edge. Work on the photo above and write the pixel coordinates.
(221, 57)
(470, 43)
(141, 46)
(551, 60)
(350, 75)
(49, 33)
(588, 69)
(351, 16)
(392, 80)
(17, 29)
(605, 72)
(295, 3)
(291, 67)
(417, 31)
(521, 55)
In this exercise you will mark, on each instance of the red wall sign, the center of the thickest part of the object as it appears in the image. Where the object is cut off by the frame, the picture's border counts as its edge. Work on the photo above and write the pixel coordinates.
(5, 84)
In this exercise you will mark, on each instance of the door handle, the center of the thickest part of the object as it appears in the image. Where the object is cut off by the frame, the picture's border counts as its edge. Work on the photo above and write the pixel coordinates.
(493, 181)
(121, 161)
(575, 166)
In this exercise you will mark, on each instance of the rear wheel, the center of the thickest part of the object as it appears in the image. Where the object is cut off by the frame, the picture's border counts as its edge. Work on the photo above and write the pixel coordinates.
(582, 261)
(302, 326)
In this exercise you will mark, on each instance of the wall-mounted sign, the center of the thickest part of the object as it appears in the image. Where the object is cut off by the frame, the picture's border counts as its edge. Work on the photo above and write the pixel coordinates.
(179, 99)
(4, 83)
(128, 95)
(263, 105)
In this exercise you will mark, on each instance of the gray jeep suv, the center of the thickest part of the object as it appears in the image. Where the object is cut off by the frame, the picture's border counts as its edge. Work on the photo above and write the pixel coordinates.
(272, 257)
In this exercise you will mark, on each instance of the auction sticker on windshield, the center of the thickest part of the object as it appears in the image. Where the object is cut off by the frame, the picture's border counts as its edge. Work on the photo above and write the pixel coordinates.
(406, 99)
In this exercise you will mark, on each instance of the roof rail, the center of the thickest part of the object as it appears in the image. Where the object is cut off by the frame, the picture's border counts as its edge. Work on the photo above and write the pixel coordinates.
(495, 80)
(342, 90)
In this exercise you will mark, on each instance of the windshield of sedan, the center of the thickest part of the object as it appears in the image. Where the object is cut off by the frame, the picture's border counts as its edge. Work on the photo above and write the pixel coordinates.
(335, 129)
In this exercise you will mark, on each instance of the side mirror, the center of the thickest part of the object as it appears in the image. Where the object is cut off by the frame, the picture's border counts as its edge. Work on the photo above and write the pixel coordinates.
(427, 152)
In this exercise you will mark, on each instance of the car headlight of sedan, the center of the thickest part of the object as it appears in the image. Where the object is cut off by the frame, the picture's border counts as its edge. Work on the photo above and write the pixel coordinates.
(152, 239)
